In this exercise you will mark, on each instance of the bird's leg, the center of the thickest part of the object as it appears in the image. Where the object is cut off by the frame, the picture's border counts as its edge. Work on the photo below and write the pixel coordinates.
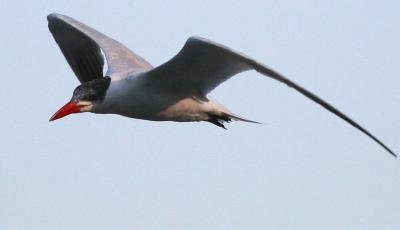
(218, 120)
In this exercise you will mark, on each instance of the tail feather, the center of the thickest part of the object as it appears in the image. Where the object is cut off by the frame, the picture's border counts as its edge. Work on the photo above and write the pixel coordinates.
(219, 120)
(237, 118)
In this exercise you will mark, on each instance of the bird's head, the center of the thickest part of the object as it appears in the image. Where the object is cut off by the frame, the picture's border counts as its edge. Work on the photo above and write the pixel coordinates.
(85, 97)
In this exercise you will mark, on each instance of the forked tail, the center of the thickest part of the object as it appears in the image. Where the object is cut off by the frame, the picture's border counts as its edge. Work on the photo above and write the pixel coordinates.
(222, 118)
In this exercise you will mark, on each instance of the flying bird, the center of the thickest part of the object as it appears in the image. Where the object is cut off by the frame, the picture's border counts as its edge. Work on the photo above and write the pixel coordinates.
(174, 91)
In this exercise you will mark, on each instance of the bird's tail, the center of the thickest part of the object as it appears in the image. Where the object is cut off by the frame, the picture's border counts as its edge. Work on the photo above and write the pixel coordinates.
(223, 117)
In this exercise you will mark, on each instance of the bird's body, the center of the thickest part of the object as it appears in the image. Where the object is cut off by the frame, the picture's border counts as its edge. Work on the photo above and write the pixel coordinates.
(174, 91)
(136, 96)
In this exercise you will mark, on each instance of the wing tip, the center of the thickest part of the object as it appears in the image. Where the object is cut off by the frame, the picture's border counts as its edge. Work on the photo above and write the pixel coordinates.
(391, 152)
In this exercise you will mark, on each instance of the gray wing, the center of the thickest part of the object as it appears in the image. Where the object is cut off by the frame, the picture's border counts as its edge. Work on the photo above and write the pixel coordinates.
(202, 65)
(82, 45)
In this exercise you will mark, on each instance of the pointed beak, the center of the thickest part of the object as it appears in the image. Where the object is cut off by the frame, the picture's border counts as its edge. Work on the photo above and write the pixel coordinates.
(70, 107)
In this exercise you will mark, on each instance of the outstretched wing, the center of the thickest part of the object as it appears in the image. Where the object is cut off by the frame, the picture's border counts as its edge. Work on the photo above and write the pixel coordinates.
(199, 67)
(82, 45)
(202, 65)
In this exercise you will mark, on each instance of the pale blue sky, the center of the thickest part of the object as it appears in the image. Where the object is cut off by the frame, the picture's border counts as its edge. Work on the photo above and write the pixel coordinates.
(302, 169)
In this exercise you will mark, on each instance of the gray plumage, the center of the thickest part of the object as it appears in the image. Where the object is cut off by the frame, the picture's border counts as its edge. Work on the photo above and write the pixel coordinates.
(176, 90)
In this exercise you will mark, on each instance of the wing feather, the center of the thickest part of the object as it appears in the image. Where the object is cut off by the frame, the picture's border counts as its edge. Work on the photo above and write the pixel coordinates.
(81, 46)
(202, 65)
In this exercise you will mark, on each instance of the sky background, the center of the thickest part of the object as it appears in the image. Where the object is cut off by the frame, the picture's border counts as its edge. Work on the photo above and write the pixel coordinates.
(303, 168)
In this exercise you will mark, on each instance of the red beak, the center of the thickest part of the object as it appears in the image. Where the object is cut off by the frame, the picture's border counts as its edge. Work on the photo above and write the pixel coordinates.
(70, 107)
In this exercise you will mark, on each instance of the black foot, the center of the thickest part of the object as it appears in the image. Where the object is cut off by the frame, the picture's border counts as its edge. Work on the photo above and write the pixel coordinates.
(219, 120)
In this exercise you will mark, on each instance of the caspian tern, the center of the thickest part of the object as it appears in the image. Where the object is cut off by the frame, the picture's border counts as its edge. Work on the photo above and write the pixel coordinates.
(174, 91)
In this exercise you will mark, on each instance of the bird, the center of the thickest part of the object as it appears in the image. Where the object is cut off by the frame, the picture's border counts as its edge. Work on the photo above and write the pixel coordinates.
(174, 91)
